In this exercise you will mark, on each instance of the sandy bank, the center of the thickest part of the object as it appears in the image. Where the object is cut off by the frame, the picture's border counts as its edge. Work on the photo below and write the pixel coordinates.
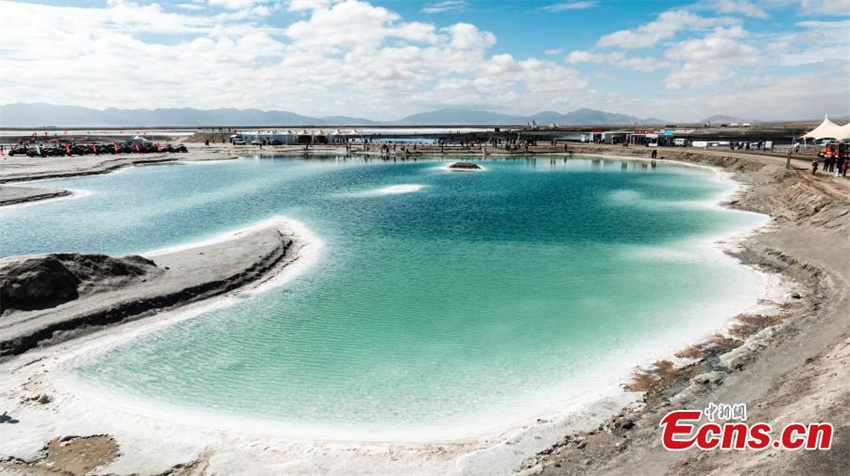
(14, 195)
(107, 290)
(18, 169)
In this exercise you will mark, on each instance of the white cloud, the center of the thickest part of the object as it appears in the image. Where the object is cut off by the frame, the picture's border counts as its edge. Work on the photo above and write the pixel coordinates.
(465, 36)
(189, 6)
(580, 56)
(444, 6)
(711, 59)
(741, 7)
(355, 58)
(565, 6)
(663, 28)
(309, 5)
(343, 24)
(825, 7)
(814, 42)
(826, 25)
(646, 64)
(767, 97)
(343, 57)
(236, 4)
(617, 59)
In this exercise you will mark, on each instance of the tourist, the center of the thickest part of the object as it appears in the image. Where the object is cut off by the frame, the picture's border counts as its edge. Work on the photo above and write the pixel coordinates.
(815, 167)
(844, 168)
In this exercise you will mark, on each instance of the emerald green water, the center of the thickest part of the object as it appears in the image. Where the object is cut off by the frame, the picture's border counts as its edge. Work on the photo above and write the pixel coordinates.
(476, 300)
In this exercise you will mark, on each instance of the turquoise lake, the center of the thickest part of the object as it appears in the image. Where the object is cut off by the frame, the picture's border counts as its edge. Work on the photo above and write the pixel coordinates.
(480, 299)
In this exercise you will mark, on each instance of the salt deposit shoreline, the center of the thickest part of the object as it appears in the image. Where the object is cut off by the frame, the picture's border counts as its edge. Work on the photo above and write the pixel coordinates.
(489, 454)
(27, 169)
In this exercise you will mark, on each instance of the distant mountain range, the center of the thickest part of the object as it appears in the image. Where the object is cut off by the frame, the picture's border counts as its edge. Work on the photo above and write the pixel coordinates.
(47, 115)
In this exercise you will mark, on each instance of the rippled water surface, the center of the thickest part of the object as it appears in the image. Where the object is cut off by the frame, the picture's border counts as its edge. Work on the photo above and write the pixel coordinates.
(442, 300)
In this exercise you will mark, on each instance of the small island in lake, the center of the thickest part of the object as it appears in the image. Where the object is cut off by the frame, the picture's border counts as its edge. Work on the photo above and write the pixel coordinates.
(465, 166)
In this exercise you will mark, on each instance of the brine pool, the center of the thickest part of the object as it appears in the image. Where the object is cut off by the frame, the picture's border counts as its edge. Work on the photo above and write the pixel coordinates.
(443, 303)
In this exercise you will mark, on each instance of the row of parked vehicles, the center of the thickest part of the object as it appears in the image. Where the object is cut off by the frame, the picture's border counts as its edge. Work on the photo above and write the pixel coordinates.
(60, 149)
(834, 150)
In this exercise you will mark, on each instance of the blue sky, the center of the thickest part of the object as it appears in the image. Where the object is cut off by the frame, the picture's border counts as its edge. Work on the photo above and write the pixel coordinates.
(771, 59)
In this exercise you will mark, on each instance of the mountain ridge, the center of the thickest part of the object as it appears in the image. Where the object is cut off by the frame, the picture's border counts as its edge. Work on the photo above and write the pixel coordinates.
(51, 115)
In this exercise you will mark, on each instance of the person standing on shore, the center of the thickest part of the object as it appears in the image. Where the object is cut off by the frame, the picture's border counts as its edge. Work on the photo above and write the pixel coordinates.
(815, 167)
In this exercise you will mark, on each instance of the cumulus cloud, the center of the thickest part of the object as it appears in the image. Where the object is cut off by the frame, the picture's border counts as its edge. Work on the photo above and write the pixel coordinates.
(232, 4)
(309, 5)
(769, 96)
(337, 57)
(813, 42)
(741, 7)
(353, 57)
(711, 59)
(825, 7)
(617, 59)
(663, 28)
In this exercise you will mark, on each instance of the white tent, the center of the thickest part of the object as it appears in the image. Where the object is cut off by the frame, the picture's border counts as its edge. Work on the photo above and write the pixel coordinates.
(844, 132)
(826, 130)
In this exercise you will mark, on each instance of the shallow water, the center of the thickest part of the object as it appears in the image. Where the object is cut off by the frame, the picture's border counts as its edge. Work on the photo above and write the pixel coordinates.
(443, 303)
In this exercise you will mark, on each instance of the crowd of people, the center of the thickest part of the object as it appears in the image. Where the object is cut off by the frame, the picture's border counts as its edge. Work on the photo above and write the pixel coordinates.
(832, 165)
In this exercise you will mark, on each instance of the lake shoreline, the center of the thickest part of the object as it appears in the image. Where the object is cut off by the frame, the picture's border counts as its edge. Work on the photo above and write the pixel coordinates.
(474, 454)
(767, 362)
(119, 290)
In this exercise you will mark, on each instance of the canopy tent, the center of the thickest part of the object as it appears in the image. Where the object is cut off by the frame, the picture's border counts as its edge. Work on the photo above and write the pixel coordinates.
(844, 132)
(827, 130)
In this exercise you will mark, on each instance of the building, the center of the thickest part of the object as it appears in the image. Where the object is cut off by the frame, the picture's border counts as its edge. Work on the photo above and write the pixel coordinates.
(652, 137)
